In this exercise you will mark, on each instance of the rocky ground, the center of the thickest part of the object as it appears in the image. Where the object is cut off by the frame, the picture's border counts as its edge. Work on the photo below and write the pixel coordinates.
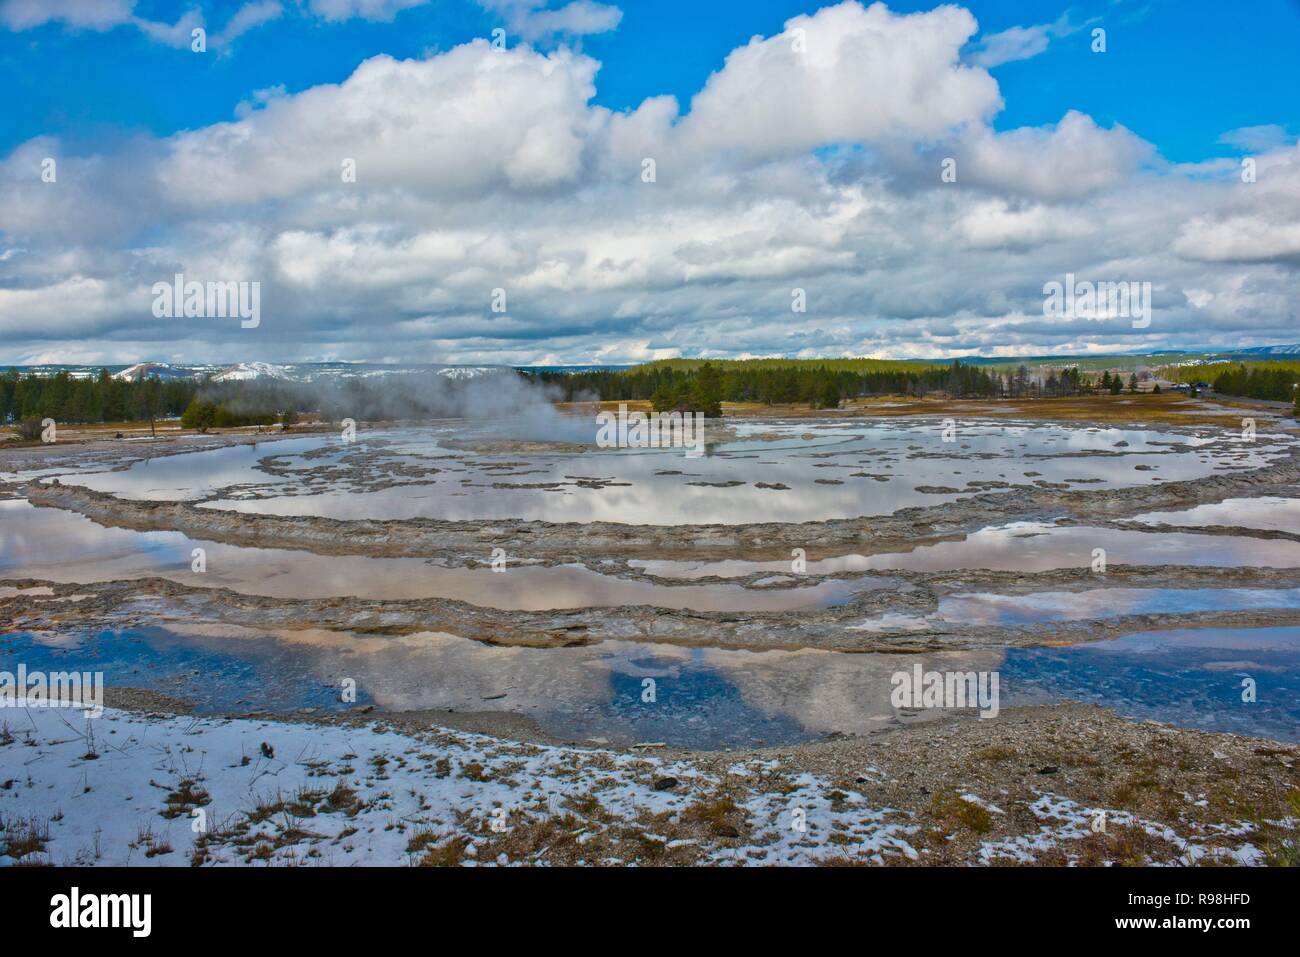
(1063, 785)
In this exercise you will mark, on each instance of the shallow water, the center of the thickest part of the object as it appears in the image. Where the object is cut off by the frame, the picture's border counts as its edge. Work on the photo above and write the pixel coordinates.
(1024, 547)
(1269, 514)
(61, 546)
(1093, 604)
(840, 469)
(1192, 677)
(702, 698)
(187, 475)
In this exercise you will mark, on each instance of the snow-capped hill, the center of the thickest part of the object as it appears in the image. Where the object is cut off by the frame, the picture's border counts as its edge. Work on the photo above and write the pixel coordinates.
(243, 371)
(468, 372)
(150, 370)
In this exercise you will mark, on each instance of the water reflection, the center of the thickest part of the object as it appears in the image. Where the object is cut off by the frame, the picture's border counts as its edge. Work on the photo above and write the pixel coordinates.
(805, 471)
(1023, 547)
(702, 698)
(1092, 605)
(1270, 514)
(1191, 677)
(61, 546)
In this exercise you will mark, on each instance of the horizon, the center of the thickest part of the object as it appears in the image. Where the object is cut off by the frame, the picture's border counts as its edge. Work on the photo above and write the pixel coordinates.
(1291, 349)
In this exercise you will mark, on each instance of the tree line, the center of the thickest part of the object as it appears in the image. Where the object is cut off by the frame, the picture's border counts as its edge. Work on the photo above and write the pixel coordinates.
(100, 398)
(1277, 383)
(824, 386)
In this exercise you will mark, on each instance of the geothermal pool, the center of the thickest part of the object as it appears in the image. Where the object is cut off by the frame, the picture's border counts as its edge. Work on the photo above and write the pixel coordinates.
(703, 697)
(782, 471)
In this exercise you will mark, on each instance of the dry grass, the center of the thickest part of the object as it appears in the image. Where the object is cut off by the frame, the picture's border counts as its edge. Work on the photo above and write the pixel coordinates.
(182, 801)
(1167, 407)
(952, 811)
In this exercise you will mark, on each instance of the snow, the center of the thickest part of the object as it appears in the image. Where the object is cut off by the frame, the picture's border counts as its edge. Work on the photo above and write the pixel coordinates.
(244, 371)
(144, 369)
(108, 809)
(1067, 821)
(114, 791)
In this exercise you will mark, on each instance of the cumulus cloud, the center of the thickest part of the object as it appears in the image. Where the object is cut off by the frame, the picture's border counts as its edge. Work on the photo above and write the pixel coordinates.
(1072, 159)
(1243, 239)
(478, 170)
(844, 74)
(464, 122)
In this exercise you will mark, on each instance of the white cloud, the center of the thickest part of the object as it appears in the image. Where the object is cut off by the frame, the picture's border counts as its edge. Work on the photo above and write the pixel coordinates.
(336, 10)
(247, 17)
(999, 224)
(468, 121)
(479, 169)
(1016, 43)
(861, 75)
(106, 14)
(79, 14)
(1268, 136)
(1020, 43)
(178, 35)
(1238, 239)
(1070, 160)
(531, 20)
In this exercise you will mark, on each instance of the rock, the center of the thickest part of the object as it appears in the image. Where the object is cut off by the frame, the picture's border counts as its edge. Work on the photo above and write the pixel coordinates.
(1050, 769)
(665, 784)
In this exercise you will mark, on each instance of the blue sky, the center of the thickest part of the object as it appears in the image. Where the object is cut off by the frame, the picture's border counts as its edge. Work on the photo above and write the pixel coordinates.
(780, 169)
(1178, 72)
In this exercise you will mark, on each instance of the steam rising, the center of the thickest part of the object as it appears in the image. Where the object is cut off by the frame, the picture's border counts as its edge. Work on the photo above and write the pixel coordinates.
(512, 405)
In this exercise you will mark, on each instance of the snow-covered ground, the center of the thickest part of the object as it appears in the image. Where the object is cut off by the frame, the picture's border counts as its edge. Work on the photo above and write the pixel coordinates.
(129, 803)
(135, 789)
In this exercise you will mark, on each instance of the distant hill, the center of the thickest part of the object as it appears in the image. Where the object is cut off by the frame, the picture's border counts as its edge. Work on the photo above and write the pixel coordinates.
(151, 370)
(246, 371)
(314, 371)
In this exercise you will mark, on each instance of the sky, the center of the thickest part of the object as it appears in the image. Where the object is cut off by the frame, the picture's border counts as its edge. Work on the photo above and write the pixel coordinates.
(575, 181)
